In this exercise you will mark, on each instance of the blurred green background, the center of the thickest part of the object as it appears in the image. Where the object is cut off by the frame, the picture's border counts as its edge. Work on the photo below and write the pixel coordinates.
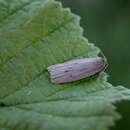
(107, 24)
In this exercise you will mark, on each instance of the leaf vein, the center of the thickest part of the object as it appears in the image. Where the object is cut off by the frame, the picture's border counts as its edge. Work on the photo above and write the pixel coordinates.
(16, 11)
(36, 41)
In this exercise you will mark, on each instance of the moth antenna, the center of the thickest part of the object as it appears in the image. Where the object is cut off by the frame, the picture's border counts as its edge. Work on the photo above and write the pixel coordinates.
(104, 57)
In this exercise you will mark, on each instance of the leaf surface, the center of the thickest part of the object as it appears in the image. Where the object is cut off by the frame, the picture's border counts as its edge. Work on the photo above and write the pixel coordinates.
(35, 34)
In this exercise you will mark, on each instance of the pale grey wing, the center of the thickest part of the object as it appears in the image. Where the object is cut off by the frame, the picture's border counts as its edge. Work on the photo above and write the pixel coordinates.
(75, 70)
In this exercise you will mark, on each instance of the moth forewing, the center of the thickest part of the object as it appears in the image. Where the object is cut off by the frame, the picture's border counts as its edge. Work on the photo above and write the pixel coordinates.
(76, 69)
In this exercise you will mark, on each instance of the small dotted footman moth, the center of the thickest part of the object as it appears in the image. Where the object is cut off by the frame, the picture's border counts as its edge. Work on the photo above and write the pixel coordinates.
(77, 69)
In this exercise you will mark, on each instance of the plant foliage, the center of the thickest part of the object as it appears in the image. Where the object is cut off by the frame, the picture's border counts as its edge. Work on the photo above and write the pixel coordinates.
(35, 34)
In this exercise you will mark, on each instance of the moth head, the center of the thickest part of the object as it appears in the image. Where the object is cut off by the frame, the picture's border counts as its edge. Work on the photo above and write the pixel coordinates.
(104, 62)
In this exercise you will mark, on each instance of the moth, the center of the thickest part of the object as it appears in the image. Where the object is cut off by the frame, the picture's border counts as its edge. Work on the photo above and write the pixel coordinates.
(77, 69)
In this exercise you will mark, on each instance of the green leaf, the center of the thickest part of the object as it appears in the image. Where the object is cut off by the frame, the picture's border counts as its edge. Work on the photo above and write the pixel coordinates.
(35, 34)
